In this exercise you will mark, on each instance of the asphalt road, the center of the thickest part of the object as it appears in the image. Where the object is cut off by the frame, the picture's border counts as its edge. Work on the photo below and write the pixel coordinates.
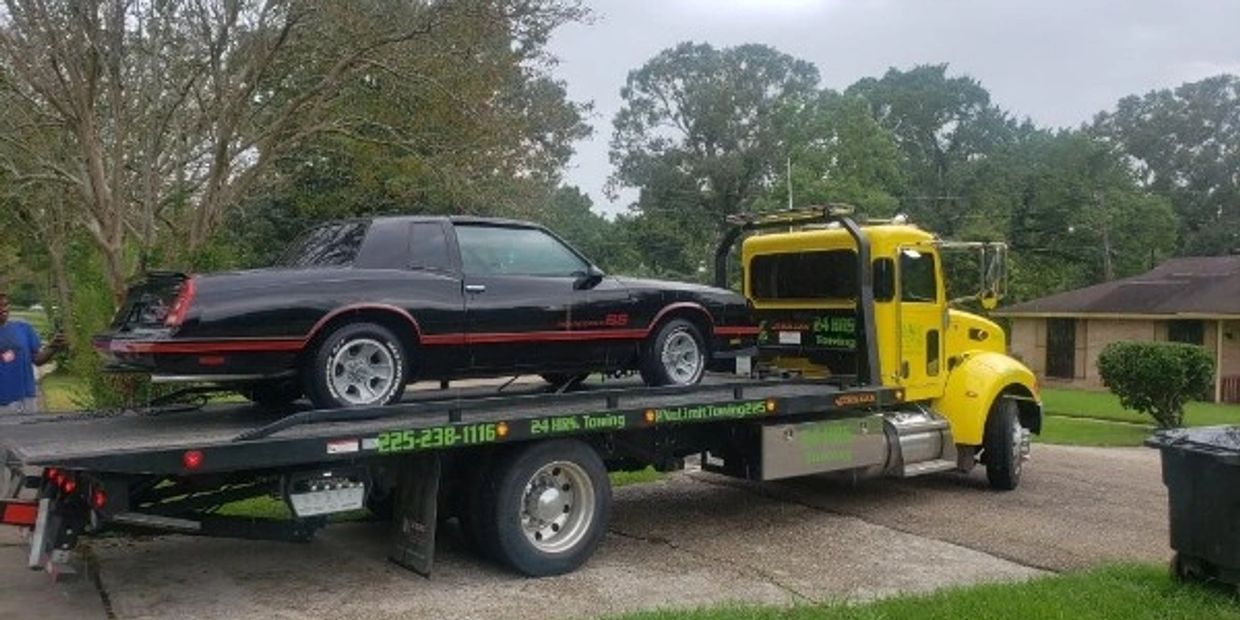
(693, 539)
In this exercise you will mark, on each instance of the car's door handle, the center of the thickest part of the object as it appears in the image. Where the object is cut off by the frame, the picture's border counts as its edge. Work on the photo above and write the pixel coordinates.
(475, 288)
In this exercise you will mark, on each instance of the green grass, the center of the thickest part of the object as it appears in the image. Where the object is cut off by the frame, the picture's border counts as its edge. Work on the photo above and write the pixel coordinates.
(1066, 430)
(1105, 406)
(641, 476)
(1095, 418)
(1116, 592)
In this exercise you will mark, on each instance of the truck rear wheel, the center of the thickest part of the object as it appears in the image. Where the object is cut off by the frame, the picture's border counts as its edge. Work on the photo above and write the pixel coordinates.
(546, 509)
(1003, 444)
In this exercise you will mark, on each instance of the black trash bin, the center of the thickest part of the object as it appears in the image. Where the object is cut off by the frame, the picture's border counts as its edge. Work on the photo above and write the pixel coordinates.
(1201, 468)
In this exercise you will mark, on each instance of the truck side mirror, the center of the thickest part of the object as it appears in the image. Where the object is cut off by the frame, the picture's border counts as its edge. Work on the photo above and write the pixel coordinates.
(988, 299)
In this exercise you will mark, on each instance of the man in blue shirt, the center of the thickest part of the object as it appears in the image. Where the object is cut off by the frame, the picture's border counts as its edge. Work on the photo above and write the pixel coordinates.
(20, 352)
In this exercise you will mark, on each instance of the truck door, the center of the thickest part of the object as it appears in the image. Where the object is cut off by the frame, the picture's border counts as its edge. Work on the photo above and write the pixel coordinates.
(920, 316)
(519, 285)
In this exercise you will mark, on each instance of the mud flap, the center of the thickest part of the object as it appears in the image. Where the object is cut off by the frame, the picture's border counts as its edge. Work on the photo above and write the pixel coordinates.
(416, 514)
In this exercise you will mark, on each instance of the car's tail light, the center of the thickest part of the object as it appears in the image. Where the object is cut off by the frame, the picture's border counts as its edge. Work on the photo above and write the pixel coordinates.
(180, 307)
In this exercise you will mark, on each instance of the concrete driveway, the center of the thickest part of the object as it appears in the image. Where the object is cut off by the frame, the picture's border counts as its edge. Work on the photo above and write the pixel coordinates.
(694, 539)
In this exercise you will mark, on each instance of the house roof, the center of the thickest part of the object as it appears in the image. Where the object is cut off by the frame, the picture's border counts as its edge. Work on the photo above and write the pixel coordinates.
(1204, 285)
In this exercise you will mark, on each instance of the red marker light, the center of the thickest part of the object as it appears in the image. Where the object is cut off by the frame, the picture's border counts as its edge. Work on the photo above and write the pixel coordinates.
(51, 473)
(98, 499)
(68, 485)
(192, 459)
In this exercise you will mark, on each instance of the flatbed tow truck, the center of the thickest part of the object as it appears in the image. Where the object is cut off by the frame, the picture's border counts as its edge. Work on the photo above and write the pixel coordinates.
(524, 473)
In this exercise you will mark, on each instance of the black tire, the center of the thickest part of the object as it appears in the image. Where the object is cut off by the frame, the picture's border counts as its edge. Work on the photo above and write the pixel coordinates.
(654, 372)
(319, 367)
(564, 380)
(503, 503)
(1001, 448)
(277, 394)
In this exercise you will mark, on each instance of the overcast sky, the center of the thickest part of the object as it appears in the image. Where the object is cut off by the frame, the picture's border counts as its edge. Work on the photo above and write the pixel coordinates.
(1056, 61)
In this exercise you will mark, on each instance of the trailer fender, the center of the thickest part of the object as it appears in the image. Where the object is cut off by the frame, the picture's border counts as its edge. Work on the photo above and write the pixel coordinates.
(975, 383)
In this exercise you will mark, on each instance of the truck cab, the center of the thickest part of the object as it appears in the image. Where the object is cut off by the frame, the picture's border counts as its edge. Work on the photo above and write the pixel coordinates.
(868, 303)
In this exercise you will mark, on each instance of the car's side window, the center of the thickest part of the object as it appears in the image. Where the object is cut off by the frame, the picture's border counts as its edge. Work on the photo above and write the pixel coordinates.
(501, 250)
(428, 248)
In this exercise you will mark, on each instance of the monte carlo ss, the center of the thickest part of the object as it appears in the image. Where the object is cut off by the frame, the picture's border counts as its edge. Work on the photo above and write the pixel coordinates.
(357, 309)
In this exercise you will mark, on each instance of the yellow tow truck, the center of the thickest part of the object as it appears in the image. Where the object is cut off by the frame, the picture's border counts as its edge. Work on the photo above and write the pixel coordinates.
(868, 302)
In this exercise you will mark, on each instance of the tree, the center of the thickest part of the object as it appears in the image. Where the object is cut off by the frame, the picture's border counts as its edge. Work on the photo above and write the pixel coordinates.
(839, 153)
(945, 127)
(1157, 378)
(471, 122)
(174, 111)
(709, 125)
(1081, 217)
(1185, 144)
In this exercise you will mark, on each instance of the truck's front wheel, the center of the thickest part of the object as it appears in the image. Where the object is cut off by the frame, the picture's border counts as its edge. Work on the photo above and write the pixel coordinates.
(1003, 445)
(548, 509)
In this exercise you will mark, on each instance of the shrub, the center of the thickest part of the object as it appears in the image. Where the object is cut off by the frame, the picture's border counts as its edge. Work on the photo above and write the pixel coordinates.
(1157, 378)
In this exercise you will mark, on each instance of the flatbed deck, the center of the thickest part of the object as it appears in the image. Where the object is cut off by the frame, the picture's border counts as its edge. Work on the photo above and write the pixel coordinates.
(241, 437)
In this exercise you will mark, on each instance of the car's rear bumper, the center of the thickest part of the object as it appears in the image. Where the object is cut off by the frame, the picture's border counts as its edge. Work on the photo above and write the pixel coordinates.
(169, 359)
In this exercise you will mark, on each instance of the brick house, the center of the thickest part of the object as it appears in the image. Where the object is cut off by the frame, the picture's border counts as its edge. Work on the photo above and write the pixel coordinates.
(1194, 300)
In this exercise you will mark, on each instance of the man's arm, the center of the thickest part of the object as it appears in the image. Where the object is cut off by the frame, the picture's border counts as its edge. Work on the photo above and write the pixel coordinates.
(45, 354)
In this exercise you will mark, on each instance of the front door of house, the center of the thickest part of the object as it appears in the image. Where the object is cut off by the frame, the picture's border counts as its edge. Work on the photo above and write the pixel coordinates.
(1061, 348)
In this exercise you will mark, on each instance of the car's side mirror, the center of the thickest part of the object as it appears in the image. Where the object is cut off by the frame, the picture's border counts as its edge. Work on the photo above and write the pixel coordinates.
(588, 279)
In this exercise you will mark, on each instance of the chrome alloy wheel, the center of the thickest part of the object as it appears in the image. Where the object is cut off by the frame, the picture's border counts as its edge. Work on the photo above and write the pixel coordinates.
(682, 358)
(362, 371)
(557, 507)
(1020, 446)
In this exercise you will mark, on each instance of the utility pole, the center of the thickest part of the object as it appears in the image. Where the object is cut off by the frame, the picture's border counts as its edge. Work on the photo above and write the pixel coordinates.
(789, 168)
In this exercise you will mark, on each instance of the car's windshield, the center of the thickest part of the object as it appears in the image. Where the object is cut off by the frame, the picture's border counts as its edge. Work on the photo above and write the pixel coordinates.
(330, 245)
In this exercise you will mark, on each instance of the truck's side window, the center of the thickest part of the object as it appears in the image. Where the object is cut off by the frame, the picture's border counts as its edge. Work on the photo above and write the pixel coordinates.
(884, 279)
(501, 250)
(428, 247)
(917, 279)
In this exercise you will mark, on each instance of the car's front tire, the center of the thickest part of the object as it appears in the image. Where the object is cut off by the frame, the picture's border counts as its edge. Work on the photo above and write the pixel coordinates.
(357, 365)
(675, 355)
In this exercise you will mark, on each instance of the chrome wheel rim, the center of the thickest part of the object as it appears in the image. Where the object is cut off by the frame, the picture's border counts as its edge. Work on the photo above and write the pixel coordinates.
(557, 507)
(682, 358)
(1019, 448)
(362, 371)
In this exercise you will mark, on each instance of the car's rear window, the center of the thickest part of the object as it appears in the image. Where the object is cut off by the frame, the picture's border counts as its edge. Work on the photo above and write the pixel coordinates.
(804, 275)
(329, 245)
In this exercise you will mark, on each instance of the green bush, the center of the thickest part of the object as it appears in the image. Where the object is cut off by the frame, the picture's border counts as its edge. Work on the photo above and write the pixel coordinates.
(1157, 378)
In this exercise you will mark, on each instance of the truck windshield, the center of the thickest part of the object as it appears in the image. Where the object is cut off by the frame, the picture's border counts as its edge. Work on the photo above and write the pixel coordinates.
(828, 274)
(330, 245)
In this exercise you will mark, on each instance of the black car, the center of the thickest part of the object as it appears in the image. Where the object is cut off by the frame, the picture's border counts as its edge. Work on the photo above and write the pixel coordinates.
(358, 308)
